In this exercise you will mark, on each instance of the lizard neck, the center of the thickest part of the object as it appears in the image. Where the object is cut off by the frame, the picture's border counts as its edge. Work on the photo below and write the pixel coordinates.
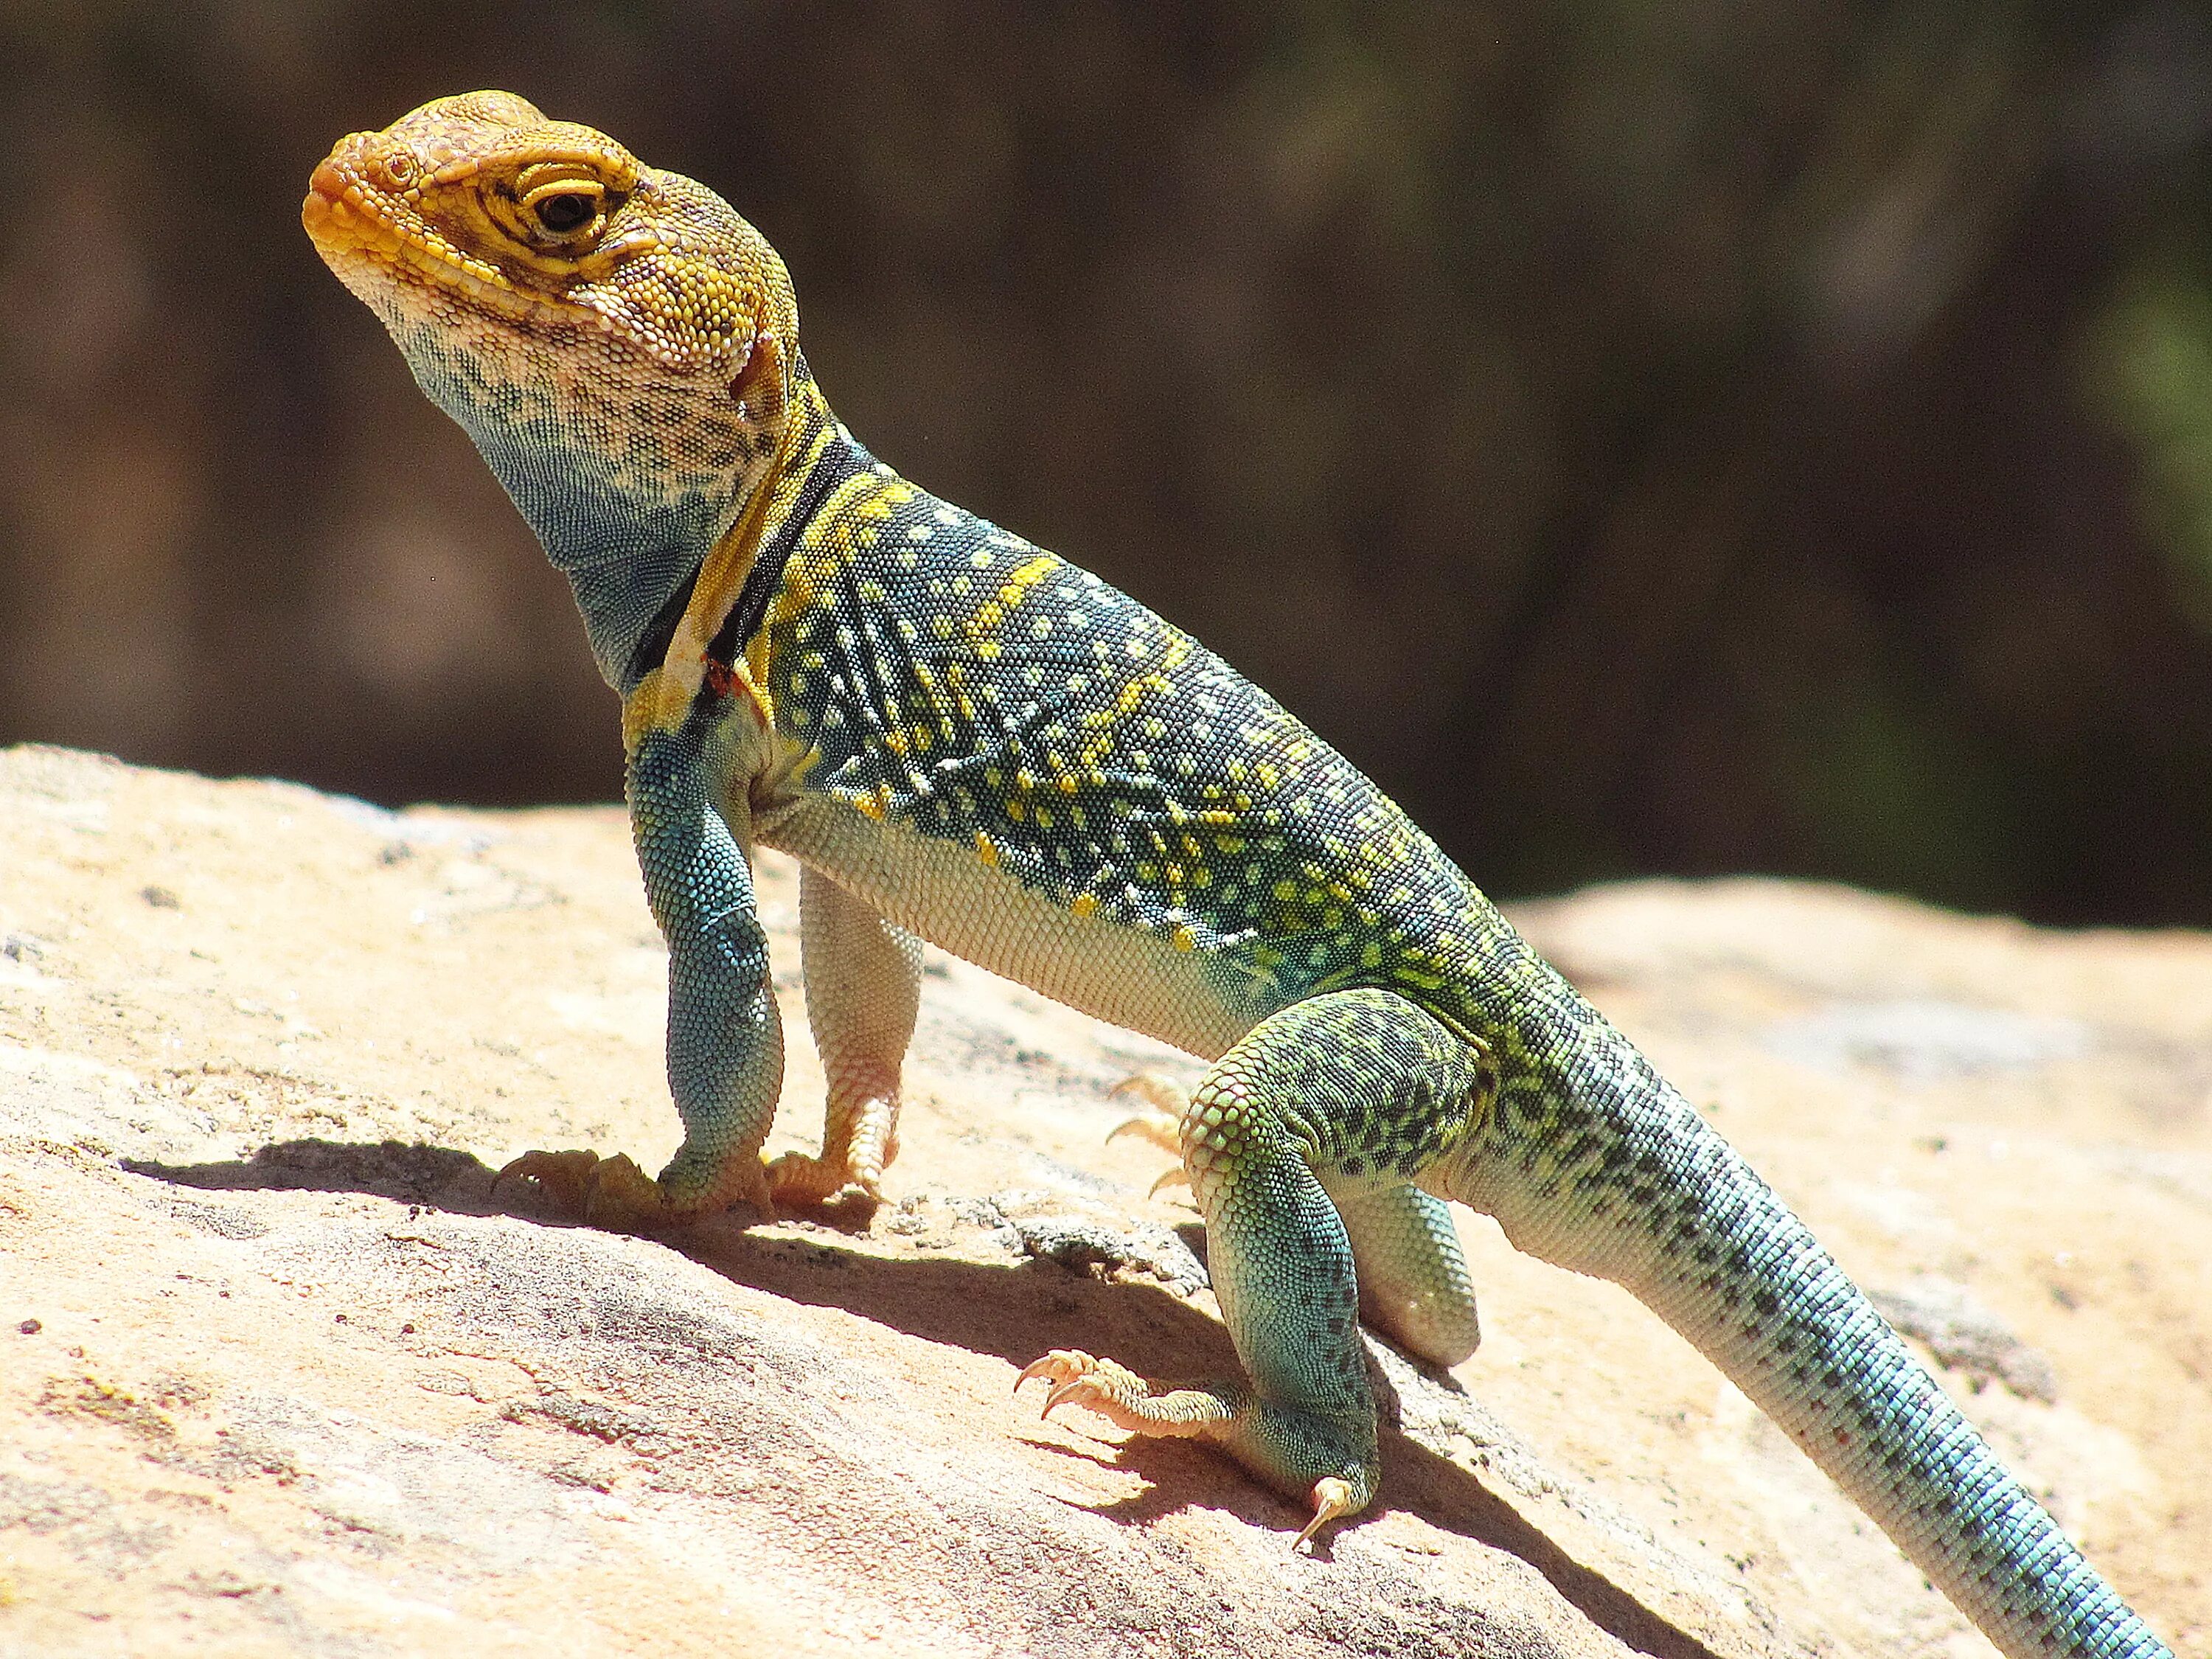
(629, 483)
(721, 605)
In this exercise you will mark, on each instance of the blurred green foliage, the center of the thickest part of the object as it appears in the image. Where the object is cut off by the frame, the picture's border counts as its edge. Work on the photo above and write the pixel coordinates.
(2150, 358)
(1686, 437)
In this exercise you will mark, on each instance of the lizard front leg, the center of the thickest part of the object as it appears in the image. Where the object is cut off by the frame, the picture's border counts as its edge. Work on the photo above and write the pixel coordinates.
(863, 992)
(1355, 1092)
(725, 1034)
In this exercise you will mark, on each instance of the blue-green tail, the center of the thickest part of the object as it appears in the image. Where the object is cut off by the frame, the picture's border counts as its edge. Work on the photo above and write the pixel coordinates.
(1604, 1168)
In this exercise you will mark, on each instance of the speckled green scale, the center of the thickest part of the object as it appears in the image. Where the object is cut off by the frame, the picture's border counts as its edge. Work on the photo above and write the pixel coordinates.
(968, 740)
(946, 680)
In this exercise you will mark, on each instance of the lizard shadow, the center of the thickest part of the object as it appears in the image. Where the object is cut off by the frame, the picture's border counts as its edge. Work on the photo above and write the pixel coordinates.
(1014, 1311)
(404, 1172)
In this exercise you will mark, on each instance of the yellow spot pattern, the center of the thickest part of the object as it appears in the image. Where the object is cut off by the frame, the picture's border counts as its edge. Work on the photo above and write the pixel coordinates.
(952, 678)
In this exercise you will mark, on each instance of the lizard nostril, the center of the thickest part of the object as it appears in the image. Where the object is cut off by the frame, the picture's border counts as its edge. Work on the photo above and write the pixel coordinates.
(325, 197)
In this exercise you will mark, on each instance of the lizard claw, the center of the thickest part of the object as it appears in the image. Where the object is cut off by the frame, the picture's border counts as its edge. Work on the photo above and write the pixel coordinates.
(564, 1176)
(1075, 1377)
(1066, 1393)
(1167, 1101)
(1225, 1412)
(797, 1180)
(1162, 1124)
(1164, 1093)
(1057, 1368)
(1332, 1500)
(1116, 1392)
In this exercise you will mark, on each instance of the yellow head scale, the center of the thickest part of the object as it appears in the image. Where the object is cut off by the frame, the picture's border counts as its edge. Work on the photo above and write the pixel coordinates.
(620, 344)
(543, 225)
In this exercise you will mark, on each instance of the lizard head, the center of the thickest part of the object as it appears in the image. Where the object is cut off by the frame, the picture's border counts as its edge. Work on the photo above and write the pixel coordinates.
(621, 345)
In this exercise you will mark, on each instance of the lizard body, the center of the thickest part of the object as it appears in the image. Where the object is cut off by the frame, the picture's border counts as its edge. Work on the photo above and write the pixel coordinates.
(966, 739)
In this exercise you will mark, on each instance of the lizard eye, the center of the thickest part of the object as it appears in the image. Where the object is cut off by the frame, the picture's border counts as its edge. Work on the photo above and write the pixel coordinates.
(564, 213)
(568, 209)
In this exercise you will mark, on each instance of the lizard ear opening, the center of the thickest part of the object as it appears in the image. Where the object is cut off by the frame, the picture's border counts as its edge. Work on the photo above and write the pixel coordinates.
(760, 386)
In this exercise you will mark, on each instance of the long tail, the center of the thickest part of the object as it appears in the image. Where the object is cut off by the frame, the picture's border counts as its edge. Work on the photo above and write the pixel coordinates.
(1592, 1161)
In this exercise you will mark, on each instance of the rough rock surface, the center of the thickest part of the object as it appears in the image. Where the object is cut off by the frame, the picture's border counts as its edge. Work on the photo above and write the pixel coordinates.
(280, 1373)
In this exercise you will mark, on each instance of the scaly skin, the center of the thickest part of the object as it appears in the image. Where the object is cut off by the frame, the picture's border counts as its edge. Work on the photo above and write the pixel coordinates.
(966, 739)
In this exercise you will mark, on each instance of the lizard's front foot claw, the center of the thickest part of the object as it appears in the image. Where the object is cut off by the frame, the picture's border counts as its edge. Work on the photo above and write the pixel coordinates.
(609, 1193)
(561, 1176)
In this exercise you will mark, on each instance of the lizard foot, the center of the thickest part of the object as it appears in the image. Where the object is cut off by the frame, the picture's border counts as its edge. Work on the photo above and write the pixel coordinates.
(1293, 1451)
(797, 1181)
(1121, 1397)
(859, 1140)
(1161, 1123)
(613, 1194)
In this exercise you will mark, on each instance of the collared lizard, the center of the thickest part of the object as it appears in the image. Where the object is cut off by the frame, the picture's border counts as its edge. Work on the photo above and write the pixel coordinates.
(966, 739)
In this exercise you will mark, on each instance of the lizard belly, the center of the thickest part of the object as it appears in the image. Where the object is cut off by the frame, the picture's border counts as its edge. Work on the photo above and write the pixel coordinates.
(942, 892)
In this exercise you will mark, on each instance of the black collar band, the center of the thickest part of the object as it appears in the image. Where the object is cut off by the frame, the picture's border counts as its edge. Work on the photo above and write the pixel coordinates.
(840, 460)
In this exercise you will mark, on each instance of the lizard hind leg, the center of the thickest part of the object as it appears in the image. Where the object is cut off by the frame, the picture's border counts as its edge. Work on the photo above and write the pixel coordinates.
(1352, 1088)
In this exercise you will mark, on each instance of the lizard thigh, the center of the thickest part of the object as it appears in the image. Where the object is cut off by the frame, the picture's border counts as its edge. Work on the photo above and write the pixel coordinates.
(1301, 1144)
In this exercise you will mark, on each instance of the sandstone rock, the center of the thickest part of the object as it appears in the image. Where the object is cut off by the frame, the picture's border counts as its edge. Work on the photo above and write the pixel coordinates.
(279, 1372)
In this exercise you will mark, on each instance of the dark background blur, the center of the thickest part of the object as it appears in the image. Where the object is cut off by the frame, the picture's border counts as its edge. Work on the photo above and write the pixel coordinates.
(1646, 434)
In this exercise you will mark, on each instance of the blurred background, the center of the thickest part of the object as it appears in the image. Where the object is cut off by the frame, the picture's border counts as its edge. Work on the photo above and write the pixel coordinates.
(1647, 435)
